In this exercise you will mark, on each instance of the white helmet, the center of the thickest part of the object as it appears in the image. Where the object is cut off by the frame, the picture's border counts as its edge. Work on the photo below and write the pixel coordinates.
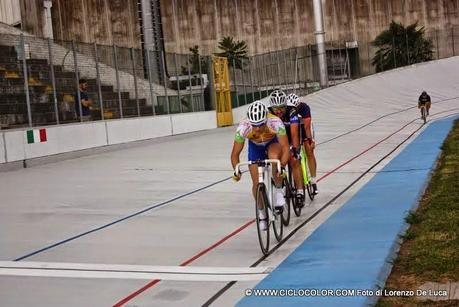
(257, 113)
(293, 100)
(277, 98)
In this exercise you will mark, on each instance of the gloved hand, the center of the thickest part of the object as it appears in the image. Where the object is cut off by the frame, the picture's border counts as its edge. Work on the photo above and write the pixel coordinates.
(236, 177)
(283, 173)
(296, 153)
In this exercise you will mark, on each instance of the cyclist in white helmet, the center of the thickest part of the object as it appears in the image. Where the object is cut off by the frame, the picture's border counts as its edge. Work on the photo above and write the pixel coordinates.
(267, 139)
(279, 107)
(304, 114)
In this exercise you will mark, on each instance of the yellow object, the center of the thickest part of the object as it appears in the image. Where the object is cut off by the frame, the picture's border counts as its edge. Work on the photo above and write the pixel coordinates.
(222, 91)
(11, 75)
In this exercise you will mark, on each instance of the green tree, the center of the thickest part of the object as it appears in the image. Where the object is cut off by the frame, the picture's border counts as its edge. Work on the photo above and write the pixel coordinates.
(235, 51)
(399, 46)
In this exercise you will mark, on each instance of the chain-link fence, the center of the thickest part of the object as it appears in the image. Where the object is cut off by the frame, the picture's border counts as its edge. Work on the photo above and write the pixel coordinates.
(43, 88)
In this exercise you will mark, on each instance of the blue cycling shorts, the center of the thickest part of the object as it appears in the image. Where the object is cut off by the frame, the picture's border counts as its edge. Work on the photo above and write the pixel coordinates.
(259, 152)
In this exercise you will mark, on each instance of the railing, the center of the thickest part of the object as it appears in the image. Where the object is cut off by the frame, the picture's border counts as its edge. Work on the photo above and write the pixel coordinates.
(39, 78)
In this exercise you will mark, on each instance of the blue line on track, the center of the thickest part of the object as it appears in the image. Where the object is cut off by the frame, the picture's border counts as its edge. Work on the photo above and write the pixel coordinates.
(354, 248)
(118, 221)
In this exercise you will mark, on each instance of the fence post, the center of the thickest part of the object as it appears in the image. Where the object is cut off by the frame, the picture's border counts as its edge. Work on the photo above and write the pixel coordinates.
(278, 70)
(243, 82)
(26, 80)
(251, 79)
(256, 60)
(296, 70)
(77, 79)
(189, 81)
(53, 80)
(99, 83)
(178, 83)
(286, 72)
(201, 81)
(264, 72)
(393, 51)
(135, 80)
(165, 81)
(452, 40)
(438, 49)
(115, 55)
(235, 84)
(407, 48)
(149, 81)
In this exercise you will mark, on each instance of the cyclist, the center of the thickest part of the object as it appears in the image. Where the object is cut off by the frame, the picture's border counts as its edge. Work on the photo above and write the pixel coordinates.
(278, 106)
(267, 139)
(304, 115)
(424, 99)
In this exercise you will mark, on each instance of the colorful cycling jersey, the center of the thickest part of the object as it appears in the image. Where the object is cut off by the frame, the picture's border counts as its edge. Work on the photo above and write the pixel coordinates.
(273, 128)
(290, 117)
(303, 110)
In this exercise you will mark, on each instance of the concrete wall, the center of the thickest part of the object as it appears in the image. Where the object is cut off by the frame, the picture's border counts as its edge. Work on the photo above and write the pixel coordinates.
(103, 21)
(10, 12)
(268, 25)
(74, 137)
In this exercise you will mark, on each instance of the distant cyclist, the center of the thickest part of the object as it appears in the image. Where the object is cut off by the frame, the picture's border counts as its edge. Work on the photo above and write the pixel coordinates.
(424, 99)
(278, 106)
(267, 139)
(304, 114)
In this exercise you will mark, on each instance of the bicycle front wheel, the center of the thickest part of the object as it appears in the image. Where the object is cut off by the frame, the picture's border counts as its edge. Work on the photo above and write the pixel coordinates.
(261, 204)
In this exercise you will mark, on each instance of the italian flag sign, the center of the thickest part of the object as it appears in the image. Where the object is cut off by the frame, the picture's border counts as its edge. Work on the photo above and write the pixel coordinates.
(36, 136)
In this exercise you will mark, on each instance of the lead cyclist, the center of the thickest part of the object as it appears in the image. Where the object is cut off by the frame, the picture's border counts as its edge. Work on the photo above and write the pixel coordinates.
(267, 139)
(304, 112)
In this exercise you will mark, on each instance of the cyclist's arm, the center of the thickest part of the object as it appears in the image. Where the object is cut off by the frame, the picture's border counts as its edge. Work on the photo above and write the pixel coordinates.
(283, 141)
(294, 130)
(307, 127)
(237, 148)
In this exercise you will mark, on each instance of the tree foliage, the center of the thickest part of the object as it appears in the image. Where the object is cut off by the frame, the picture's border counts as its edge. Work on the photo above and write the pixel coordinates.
(235, 51)
(195, 60)
(399, 46)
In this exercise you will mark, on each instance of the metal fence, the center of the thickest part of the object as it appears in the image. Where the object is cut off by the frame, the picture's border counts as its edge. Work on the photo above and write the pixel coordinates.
(127, 82)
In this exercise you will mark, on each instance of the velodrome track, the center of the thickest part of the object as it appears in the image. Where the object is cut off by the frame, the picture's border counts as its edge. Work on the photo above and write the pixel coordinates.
(169, 206)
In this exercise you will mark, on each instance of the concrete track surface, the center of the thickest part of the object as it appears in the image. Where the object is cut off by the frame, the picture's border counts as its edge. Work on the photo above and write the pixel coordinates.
(162, 224)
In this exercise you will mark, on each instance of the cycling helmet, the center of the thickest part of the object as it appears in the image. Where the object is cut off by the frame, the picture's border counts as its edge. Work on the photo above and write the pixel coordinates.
(257, 113)
(277, 98)
(293, 100)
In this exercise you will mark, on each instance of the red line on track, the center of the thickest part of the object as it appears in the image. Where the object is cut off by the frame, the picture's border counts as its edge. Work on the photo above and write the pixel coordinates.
(184, 263)
(208, 249)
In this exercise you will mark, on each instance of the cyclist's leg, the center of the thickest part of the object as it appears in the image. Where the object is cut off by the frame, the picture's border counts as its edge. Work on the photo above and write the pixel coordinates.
(428, 107)
(275, 152)
(257, 153)
(312, 164)
(296, 170)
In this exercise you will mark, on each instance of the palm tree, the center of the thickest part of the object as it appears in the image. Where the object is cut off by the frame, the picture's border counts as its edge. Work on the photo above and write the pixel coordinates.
(400, 46)
(236, 52)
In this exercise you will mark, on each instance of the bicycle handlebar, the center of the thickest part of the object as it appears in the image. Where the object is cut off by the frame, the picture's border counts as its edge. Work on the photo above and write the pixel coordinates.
(259, 162)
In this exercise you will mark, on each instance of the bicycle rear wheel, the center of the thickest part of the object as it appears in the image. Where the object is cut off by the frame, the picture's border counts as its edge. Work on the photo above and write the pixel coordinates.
(288, 198)
(262, 202)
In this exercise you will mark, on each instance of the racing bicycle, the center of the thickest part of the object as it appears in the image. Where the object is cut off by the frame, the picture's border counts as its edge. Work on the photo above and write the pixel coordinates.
(264, 201)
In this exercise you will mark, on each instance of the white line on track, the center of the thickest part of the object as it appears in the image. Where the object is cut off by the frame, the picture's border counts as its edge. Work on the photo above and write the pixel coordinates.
(117, 271)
